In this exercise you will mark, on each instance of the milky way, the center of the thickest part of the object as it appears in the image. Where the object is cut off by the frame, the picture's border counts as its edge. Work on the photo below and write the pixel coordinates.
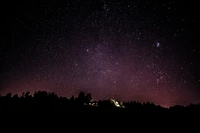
(127, 50)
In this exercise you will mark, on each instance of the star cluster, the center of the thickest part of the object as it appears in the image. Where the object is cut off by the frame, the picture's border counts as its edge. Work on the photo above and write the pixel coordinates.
(128, 50)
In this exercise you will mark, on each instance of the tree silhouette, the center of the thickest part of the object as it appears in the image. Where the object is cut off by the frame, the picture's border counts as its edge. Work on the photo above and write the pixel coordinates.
(72, 99)
(27, 94)
(83, 99)
(23, 95)
(16, 96)
(9, 95)
(46, 101)
(88, 98)
(80, 100)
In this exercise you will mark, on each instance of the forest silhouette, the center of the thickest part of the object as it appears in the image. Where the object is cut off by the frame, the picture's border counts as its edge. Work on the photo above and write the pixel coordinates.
(49, 101)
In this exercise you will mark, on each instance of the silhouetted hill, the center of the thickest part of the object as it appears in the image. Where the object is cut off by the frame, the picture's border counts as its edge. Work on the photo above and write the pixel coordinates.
(46, 101)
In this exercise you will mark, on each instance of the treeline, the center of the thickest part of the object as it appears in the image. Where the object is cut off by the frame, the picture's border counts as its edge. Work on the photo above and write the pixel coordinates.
(47, 101)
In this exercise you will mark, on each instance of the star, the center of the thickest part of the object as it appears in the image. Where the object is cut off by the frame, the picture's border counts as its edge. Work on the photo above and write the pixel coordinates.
(157, 44)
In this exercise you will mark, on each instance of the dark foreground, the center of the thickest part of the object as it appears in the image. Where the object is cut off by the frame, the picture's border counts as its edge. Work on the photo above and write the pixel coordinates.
(50, 102)
(90, 109)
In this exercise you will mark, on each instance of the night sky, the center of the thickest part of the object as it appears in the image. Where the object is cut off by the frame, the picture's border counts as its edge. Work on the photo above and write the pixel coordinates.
(134, 50)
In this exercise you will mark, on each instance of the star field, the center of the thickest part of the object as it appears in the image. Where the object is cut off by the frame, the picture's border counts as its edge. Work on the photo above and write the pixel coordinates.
(128, 50)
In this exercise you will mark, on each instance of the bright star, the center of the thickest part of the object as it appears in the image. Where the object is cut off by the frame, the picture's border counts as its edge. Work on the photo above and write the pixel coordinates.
(157, 44)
